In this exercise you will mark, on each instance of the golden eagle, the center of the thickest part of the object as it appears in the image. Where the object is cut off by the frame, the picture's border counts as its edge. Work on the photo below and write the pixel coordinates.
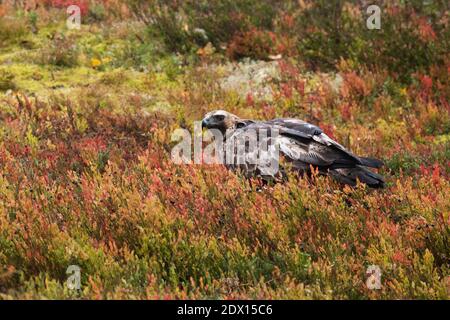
(303, 145)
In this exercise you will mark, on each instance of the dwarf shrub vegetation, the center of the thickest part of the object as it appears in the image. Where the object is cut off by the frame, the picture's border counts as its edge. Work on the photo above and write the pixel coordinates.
(86, 118)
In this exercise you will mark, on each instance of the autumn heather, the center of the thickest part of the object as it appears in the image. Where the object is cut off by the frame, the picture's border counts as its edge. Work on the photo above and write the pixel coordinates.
(86, 176)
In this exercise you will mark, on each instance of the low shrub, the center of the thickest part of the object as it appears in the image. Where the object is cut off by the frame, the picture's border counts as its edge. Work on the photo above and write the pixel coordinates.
(61, 51)
(13, 30)
(256, 44)
(6, 80)
(178, 22)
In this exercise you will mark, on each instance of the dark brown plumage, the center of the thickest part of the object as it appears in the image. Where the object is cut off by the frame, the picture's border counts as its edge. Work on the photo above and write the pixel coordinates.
(301, 144)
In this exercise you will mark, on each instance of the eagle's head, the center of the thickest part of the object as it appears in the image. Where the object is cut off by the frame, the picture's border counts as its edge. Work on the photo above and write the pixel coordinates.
(219, 119)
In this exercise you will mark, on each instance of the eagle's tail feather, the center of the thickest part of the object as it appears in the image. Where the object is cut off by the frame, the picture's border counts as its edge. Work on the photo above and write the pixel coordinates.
(351, 175)
(371, 162)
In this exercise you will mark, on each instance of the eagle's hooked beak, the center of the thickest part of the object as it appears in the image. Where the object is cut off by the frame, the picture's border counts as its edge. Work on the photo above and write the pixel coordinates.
(204, 124)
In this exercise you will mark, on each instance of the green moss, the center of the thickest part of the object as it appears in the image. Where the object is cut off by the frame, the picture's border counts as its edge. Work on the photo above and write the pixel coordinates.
(6, 80)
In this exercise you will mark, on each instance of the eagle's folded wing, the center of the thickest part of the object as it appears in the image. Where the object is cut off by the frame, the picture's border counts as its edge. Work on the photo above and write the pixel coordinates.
(301, 141)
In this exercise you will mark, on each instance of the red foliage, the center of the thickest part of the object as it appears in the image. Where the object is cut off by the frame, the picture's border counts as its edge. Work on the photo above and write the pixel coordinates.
(82, 4)
(354, 85)
(436, 174)
(288, 69)
(346, 111)
(257, 44)
(328, 129)
(269, 111)
(288, 21)
(426, 85)
(427, 82)
(250, 100)
(426, 32)
(95, 144)
(286, 90)
(300, 87)
(399, 257)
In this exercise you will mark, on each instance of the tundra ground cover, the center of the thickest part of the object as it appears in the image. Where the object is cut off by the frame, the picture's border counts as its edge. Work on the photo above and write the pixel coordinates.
(86, 177)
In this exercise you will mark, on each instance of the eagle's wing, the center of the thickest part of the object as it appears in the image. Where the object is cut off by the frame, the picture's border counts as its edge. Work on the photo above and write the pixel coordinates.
(253, 148)
(299, 142)
(306, 144)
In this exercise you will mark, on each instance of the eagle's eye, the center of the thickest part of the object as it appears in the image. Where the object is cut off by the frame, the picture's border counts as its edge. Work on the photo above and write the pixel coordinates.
(219, 117)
